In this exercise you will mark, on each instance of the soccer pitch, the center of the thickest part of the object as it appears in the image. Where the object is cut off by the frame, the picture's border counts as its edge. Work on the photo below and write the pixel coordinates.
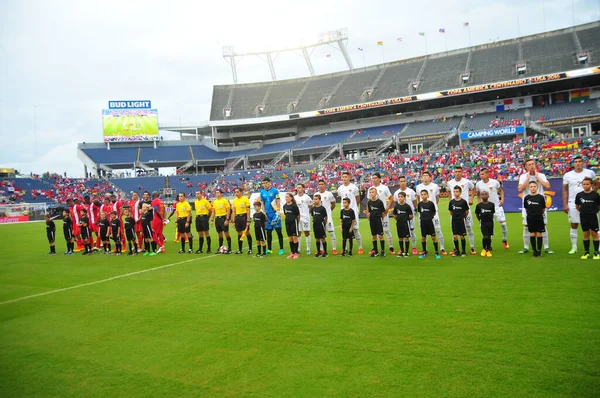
(210, 325)
(130, 126)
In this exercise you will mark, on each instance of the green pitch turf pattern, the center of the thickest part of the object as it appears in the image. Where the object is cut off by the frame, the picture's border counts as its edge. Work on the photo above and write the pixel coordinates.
(227, 326)
(113, 126)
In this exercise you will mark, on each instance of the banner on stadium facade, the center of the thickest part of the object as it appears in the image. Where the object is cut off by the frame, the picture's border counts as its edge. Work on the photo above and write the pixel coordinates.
(422, 138)
(13, 219)
(513, 201)
(469, 135)
(135, 104)
(510, 104)
(575, 120)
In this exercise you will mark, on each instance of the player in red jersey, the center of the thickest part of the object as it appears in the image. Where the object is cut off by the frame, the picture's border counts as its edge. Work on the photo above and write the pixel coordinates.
(135, 205)
(75, 215)
(158, 221)
(106, 207)
(94, 216)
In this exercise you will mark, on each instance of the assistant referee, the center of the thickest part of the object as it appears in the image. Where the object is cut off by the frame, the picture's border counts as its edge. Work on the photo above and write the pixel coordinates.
(241, 219)
(203, 210)
(184, 221)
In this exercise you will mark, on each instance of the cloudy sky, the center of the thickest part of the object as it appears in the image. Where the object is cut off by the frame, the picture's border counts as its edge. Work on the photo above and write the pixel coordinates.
(61, 61)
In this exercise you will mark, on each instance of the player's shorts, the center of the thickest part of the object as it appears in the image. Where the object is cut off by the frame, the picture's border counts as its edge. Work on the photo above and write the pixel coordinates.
(137, 227)
(260, 234)
(403, 229)
(487, 228)
(50, 236)
(147, 230)
(104, 235)
(94, 228)
(499, 214)
(574, 217)
(114, 237)
(536, 224)
(76, 229)
(386, 223)
(304, 225)
(130, 234)
(291, 228)
(319, 230)
(85, 232)
(459, 226)
(427, 228)
(271, 224)
(329, 224)
(376, 225)
(589, 222)
(347, 232)
(181, 228)
(241, 222)
(220, 224)
(545, 217)
(202, 223)
(68, 233)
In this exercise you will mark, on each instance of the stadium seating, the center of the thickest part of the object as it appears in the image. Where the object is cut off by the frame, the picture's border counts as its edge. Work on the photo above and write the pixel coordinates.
(589, 39)
(246, 99)
(376, 133)
(273, 148)
(317, 89)
(181, 183)
(430, 127)
(550, 54)
(165, 154)
(564, 111)
(202, 152)
(282, 93)
(353, 87)
(325, 140)
(28, 185)
(484, 121)
(139, 184)
(443, 72)
(493, 64)
(219, 101)
(126, 155)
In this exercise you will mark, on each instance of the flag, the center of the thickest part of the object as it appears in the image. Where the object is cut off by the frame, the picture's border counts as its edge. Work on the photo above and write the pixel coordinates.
(466, 24)
(421, 33)
(328, 55)
(361, 49)
(399, 39)
(442, 30)
(380, 43)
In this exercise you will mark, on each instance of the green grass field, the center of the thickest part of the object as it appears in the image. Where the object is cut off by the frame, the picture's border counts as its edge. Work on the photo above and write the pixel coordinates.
(229, 326)
(127, 126)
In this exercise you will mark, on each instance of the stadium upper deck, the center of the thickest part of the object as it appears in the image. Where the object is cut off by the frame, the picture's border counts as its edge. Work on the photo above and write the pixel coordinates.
(541, 54)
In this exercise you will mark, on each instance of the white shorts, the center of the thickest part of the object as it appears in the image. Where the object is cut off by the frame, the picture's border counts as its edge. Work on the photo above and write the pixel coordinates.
(499, 214)
(304, 225)
(545, 218)
(573, 214)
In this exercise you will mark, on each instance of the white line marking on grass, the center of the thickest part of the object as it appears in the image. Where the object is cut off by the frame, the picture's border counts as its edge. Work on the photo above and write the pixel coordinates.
(112, 278)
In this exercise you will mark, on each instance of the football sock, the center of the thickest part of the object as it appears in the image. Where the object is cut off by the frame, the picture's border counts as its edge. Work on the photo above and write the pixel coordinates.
(358, 238)
(208, 243)
(413, 237)
(135, 246)
(220, 242)
(374, 245)
(573, 236)
(229, 243)
(470, 234)
(308, 242)
(440, 236)
(201, 241)
(464, 244)
(546, 240)
(318, 245)
(533, 242)
(435, 246)
(333, 240)
(390, 238)
(153, 243)
(504, 228)
(526, 239)
(130, 246)
(344, 244)
(382, 245)
(182, 241)
(291, 247)
(424, 246)
(249, 237)
(269, 239)
(280, 235)
(109, 246)
(351, 245)
(324, 245)
(539, 243)
(406, 246)
(596, 246)
(586, 245)
(456, 245)
(239, 244)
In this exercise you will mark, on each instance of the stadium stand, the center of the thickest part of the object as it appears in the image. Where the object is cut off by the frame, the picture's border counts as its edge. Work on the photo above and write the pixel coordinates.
(431, 127)
(353, 87)
(139, 184)
(246, 99)
(202, 152)
(396, 79)
(565, 111)
(219, 101)
(550, 54)
(589, 39)
(272, 148)
(317, 88)
(494, 120)
(165, 154)
(113, 156)
(376, 133)
(443, 72)
(325, 140)
(282, 94)
(493, 64)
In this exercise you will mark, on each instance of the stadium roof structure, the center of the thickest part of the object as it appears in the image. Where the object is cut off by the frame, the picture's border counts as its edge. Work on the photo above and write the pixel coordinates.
(551, 56)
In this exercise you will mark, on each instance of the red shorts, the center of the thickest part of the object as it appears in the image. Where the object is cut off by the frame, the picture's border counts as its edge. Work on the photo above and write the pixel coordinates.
(138, 227)
(157, 227)
(76, 230)
(94, 228)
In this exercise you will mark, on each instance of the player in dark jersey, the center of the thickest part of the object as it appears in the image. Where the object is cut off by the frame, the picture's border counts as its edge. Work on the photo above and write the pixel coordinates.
(347, 221)
(587, 203)
(484, 211)
(104, 227)
(535, 207)
(292, 218)
(403, 214)
(68, 232)
(459, 210)
(426, 210)
(50, 234)
(115, 229)
(260, 232)
(147, 230)
(319, 216)
(375, 214)
(85, 231)
(129, 228)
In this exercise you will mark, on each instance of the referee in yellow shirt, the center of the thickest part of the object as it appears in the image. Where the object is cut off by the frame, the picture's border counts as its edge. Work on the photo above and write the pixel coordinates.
(203, 210)
(184, 221)
(241, 219)
(220, 217)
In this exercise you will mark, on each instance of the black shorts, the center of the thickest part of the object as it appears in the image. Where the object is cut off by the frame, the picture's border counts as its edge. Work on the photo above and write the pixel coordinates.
(589, 222)
(319, 230)
(536, 224)
(104, 235)
(487, 228)
(50, 236)
(459, 227)
(68, 233)
(202, 223)
(427, 228)
(376, 225)
(291, 228)
(130, 234)
(116, 237)
(147, 230)
(85, 233)
(260, 234)
(403, 229)
(347, 232)
(181, 228)
(220, 224)
(241, 222)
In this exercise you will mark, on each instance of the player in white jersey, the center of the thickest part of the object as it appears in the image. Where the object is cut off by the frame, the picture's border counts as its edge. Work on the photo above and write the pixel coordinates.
(467, 191)
(384, 194)
(411, 200)
(328, 202)
(542, 183)
(571, 187)
(434, 195)
(350, 191)
(496, 196)
(304, 203)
